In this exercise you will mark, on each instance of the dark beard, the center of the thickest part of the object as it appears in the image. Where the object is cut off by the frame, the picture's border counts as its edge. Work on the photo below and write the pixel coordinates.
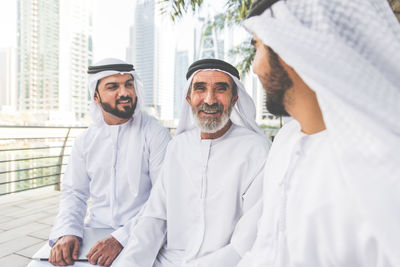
(276, 85)
(126, 114)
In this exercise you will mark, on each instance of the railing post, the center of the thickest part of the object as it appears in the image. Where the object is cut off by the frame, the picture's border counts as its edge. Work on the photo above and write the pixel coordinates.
(60, 160)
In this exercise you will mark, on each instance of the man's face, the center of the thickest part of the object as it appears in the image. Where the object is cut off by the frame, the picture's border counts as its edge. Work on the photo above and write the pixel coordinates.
(211, 99)
(116, 95)
(274, 77)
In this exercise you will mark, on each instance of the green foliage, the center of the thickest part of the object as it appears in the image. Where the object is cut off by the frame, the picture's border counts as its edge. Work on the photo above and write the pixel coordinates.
(266, 126)
(176, 8)
(244, 54)
(236, 11)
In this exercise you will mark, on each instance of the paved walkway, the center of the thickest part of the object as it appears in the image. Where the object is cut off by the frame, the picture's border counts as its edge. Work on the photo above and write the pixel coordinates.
(25, 223)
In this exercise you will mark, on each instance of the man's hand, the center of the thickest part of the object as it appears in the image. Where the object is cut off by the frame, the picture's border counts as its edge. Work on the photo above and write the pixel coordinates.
(104, 252)
(65, 251)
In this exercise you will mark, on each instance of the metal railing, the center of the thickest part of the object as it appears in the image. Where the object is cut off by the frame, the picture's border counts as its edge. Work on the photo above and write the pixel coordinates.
(34, 156)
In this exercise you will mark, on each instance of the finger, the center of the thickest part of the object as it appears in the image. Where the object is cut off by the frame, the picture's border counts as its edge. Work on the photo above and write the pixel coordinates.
(94, 258)
(91, 251)
(75, 252)
(109, 261)
(101, 260)
(51, 256)
(59, 258)
(66, 253)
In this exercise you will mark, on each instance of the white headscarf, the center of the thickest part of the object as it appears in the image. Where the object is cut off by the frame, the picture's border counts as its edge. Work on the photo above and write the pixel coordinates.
(243, 112)
(348, 53)
(93, 79)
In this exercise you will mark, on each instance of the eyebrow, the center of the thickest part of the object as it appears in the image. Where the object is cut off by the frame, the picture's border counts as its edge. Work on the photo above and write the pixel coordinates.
(114, 83)
(224, 84)
(198, 84)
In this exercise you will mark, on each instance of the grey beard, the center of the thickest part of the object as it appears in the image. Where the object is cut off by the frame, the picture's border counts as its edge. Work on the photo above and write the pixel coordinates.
(212, 125)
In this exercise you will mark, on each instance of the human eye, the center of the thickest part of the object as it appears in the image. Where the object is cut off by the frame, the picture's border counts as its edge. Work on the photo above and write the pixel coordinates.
(129, 85)
(112, 87)
(199, 88)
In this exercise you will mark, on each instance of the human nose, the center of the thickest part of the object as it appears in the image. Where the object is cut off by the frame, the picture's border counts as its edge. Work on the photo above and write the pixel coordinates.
(123, 91)
(210, 97)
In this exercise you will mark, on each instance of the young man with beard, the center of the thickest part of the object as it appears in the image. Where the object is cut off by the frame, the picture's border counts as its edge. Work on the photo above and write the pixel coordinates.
(203, 209)
(332, 179)
(114, 162)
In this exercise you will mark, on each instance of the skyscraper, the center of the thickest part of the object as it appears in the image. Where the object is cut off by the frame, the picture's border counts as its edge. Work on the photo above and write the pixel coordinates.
(38, 55)
(7, 79)
(75, 56)
(181, 66)
(211, 43)
(53, 52)
(150, 52)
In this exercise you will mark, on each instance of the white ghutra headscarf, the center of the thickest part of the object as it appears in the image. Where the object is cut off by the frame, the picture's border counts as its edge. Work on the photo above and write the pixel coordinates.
(348, 52)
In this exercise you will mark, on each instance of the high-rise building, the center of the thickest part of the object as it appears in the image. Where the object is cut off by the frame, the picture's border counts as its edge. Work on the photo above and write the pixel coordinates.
(53, 51)
(211, 44)
(150, 52)
(181, 67)
(7, 79)
(38, 55)
(75, 56)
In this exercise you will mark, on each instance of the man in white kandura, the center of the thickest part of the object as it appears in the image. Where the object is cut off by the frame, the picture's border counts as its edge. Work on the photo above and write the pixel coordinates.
(332, 180)
(115, 162)
(203, 211)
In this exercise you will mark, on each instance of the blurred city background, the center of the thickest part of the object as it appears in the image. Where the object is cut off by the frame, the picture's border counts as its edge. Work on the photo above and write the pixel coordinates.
(45, 49)
(47, 45)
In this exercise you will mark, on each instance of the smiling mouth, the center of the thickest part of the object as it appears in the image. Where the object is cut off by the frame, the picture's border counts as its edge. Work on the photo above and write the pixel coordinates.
(124, 102)
(209, 112)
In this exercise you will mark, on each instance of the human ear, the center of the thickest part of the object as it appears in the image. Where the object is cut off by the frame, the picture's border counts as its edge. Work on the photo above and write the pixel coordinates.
(96, 97)
(234, 99)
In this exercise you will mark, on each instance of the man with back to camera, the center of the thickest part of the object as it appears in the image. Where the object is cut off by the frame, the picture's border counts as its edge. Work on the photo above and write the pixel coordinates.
(204, 208)
(115, 162)
(332, 179)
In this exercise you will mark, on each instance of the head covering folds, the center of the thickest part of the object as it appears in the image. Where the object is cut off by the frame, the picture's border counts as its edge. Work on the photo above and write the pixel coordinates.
(348, 53)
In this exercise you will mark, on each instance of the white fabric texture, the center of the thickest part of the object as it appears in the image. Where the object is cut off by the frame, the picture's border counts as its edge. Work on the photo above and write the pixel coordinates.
(243, 113)
(113, 165)
(205, 205)
(347, 52)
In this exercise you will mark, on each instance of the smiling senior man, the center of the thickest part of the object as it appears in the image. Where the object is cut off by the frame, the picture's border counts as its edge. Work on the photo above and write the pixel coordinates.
(115, 162)
(204, 208)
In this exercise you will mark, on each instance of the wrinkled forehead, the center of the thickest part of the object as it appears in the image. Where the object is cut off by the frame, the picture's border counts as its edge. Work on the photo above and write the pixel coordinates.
(211, 77)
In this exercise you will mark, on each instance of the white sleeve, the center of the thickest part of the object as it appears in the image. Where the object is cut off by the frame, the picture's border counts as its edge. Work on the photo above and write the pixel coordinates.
(245, 231)
(157, 139)
(148, 234)
(75, 193)
(122, 233)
